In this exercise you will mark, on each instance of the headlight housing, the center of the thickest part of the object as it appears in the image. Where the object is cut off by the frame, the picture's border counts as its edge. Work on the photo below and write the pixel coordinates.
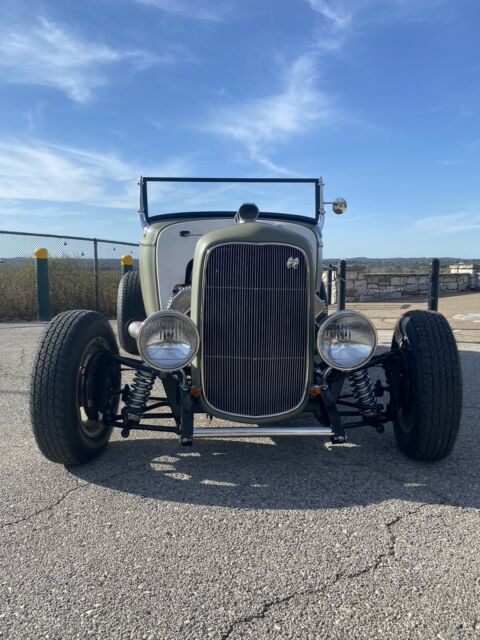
(181, 301)
(168, 340)
(347, 340)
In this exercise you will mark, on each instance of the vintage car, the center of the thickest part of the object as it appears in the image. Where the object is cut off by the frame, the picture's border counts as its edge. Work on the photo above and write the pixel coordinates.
(228, 313)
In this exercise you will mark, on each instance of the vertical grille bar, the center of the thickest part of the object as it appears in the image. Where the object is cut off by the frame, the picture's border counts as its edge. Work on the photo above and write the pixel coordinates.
(255, 329)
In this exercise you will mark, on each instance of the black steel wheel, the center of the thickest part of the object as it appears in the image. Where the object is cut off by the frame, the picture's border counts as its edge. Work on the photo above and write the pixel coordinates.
(74, 385)
(427, 420)
(129, 308)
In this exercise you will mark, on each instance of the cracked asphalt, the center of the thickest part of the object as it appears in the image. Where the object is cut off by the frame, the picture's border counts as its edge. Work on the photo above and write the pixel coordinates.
(234, 539)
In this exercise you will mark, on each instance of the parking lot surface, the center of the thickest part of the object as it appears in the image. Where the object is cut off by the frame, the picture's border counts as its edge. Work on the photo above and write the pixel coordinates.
(236, 538)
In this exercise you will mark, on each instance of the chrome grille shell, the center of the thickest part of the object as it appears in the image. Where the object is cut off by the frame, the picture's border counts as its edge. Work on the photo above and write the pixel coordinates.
(256, 322)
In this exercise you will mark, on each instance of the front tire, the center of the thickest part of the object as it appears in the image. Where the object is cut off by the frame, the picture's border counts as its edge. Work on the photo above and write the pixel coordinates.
(72, 385)
(428, 419)
(129, 308)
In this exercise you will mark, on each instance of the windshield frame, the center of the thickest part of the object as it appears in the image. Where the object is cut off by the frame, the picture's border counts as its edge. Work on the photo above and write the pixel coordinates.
(146, 219)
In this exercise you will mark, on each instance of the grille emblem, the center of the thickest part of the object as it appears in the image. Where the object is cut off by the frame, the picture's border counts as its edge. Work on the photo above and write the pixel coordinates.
(292, 263)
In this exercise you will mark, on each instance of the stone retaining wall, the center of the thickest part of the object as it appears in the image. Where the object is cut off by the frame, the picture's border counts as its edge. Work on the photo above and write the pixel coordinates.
(361, 285)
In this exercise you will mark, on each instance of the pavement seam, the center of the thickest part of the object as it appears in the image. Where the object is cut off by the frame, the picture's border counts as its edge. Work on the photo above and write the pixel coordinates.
(390, 553)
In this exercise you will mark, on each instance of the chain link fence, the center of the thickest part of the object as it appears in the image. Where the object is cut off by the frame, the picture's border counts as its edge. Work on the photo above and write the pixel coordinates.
(83, 273)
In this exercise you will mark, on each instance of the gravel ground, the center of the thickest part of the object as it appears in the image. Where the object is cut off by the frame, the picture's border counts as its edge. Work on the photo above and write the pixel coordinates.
(290, 538)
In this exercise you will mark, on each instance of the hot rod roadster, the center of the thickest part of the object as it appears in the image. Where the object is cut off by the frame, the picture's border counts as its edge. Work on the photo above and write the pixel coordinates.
(228, 317)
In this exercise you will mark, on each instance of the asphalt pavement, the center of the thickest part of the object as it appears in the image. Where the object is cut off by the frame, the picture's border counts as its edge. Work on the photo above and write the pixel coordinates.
(240, 539)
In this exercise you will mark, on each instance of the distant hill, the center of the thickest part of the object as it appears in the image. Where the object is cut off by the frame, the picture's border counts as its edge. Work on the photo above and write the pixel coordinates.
(105, 264)
(399, 265)
(373, 265)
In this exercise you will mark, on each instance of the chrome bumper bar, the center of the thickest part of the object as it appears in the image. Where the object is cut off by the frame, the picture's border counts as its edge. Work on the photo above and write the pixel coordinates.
(259, 432)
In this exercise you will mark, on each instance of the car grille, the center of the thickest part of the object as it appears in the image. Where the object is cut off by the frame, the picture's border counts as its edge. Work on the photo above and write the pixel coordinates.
(255, 329)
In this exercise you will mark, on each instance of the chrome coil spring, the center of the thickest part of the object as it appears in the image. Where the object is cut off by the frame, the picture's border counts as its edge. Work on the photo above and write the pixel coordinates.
(140, 390)
(363, 391)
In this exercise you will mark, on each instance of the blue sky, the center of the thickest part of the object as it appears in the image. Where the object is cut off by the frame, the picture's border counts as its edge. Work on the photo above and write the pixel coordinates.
(380, 97)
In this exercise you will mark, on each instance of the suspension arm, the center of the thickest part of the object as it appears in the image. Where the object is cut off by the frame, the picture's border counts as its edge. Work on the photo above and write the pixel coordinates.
(136, 364)
(134, 426)
(376, 361)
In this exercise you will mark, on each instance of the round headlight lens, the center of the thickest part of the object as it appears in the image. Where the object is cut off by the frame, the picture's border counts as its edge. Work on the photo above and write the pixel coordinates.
(346, 340)
(168, 340)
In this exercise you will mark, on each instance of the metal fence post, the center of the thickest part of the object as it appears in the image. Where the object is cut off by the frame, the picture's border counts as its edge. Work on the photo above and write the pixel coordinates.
(341, 278)
(434, 285)
(329, 284)
(95, 274)
(41, 272)
(127, 263)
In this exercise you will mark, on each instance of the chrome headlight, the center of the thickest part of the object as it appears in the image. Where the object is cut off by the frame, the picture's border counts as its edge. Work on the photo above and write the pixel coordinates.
(168, 340)
(181, 301)
(346, 340)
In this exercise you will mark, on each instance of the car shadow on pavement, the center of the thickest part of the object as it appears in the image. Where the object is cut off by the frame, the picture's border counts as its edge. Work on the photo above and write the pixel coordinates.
(288, 473)
(296, 473)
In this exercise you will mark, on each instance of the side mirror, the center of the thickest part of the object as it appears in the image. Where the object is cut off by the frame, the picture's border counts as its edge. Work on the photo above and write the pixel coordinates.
(339, 206)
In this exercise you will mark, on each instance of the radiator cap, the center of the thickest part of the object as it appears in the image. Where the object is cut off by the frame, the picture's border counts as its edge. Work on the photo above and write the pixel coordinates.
(248, 212)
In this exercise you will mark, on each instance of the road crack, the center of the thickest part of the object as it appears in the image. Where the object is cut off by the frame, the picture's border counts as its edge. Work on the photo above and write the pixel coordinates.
(342, 575)
(47, 508)
(80, 485)
(266, 608)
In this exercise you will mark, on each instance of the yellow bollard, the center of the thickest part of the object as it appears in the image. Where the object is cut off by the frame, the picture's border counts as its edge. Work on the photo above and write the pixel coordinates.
(126, 262)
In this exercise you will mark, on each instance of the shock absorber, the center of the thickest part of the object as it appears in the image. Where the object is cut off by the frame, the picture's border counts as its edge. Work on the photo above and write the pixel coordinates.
(363, 391)
(138, 395)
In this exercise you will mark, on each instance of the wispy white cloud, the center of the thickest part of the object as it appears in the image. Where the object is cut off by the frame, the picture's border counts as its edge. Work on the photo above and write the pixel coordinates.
(344, 14)
(39, 171)
(344, 18)
(207, 10)
(34, 116)
(259, 125)
(51, 55)
(451, 223)
(339, 13)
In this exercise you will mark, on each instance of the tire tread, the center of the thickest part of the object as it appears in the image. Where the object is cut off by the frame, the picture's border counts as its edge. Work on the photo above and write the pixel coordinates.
(437, 385)
(48, 385)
